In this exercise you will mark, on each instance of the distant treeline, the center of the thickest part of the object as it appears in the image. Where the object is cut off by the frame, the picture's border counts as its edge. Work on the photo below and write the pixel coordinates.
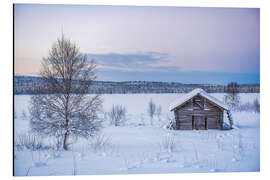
(32, 85)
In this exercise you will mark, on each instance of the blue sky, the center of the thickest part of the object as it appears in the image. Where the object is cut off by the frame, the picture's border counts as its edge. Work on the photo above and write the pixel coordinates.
(189, 45)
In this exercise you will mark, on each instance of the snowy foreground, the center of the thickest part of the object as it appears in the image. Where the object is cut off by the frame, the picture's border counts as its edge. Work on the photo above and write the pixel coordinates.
(139, 147)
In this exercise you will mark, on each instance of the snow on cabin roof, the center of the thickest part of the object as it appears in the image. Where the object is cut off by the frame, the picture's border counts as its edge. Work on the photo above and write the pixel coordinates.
(194, 93)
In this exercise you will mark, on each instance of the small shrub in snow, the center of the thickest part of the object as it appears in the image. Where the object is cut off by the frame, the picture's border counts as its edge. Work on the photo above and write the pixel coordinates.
(54, 154)
(105, 116)
(151, 110)
(74, 170)
(256, 105)
(245, 107)
(196, 156)
(24, 115)
(219, 141)
(158, 112)
(142, 123)
(251, 107)
(126, 164)
(204, 136)
(118, 115)
(168, 143)
(238, 147)
(27, 171)
(40, 158)
(58, 143)
(213, 164)
(99, 142)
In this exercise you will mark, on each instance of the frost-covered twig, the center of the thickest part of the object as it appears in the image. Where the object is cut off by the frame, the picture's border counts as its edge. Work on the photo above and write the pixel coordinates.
(28, 170)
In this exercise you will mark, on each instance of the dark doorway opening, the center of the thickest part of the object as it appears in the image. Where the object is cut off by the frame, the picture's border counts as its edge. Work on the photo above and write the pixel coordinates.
(205, 121)
(199, 122)
(193, 124)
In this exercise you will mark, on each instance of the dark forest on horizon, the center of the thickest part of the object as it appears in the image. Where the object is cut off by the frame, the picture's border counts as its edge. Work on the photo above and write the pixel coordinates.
(32, 85)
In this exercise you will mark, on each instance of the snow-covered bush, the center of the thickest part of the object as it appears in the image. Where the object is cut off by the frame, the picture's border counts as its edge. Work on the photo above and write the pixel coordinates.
(117, 115)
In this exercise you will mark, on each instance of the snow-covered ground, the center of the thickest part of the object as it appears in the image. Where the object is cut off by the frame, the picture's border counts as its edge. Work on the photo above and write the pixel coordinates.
(139, 147)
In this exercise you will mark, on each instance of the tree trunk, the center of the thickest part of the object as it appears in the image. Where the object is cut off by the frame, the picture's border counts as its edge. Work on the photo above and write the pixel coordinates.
(65, 146)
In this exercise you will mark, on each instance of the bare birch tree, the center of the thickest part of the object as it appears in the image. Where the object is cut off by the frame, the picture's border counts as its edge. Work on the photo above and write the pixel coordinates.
(232, 98)
(67, 111)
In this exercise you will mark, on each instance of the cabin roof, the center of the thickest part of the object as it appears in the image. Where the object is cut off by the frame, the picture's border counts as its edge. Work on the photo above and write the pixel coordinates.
(194, 93)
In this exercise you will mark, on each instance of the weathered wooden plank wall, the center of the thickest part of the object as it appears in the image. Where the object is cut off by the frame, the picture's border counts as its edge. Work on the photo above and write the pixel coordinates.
(198, 113)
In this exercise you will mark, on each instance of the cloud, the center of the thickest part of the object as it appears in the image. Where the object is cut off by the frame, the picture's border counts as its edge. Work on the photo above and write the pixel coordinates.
(148, 61)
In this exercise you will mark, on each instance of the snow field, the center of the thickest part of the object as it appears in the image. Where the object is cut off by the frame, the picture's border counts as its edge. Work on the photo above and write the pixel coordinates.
(139, 147)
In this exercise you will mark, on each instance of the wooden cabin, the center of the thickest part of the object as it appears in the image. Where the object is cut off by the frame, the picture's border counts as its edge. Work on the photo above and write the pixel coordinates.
(198, 110)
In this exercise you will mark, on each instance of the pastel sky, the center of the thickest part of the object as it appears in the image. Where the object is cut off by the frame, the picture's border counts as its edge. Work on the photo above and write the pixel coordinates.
(180, 44)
